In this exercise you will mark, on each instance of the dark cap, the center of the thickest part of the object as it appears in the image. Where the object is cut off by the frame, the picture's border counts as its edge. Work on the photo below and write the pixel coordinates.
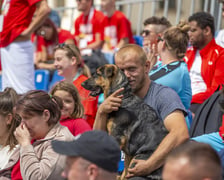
(95, 146)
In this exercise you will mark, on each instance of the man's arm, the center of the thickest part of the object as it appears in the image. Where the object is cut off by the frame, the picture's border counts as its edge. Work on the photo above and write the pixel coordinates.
(42, 10)
(97, 44)
(122, 42)
(178, 133)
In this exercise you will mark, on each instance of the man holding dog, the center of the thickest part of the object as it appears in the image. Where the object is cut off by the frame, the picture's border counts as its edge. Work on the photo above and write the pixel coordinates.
(133, 61)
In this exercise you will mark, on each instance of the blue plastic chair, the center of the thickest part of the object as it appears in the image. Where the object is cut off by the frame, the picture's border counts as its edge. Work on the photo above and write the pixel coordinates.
(42, 77)
(138, 40)
(55, 78)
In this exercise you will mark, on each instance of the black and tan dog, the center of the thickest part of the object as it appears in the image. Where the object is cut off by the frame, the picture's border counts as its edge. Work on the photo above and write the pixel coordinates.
(135, 125)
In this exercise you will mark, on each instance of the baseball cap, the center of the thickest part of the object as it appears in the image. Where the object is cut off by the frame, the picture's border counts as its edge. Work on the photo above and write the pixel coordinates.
(95, 146)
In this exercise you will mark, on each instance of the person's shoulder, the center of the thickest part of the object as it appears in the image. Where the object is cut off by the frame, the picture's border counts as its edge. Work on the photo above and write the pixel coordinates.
(98, 14)
(119, 15)
(161, 90)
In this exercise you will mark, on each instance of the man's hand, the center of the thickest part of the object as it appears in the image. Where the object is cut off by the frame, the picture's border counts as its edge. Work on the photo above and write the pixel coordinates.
(139, 168)
(111, 103)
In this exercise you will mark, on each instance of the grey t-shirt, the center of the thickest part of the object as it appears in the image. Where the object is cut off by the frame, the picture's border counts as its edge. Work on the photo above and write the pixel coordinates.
(163, 100)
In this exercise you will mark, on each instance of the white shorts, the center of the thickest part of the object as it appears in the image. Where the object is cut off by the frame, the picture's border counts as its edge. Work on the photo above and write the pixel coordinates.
(18, 66)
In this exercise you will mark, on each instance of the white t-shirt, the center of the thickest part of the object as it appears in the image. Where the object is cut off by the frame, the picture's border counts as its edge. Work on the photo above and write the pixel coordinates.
(5, 154)
(197, 83)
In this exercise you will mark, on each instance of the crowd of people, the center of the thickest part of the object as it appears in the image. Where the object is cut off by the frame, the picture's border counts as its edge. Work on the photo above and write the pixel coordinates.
(62, 133)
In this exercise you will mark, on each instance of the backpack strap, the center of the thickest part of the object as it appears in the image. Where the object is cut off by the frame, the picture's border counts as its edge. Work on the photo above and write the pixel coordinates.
(163, 72)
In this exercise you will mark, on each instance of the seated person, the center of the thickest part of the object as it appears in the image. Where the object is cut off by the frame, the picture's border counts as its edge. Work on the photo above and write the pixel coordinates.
(116, 28)
(68, 62)
(72, 111)
(172, 71)
(45, 39)
(40, 114)
(192, 161)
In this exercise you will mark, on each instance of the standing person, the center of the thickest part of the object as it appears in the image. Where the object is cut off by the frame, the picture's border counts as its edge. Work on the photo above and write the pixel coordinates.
(15, 46)
(167, 104)
(204, 59)
(117, 29)
(94, 155)
(69, 64)
(172, 71)
(72, 111)
(8, 122)
(194, 161)
(40, 114)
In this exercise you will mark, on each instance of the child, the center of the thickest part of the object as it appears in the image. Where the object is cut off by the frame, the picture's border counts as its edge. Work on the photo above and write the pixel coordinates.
(72, 111)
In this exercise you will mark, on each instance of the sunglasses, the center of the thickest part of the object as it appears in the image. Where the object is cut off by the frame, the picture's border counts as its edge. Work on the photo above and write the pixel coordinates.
(159, 39)
(63, 45)
(146, 32)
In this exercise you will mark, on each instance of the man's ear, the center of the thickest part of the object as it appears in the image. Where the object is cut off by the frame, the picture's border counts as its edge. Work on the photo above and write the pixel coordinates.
(207, 30)
(92, 171)
(147, 66)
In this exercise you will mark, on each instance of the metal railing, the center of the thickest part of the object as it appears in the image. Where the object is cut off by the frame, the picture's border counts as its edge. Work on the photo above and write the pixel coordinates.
(137, 8)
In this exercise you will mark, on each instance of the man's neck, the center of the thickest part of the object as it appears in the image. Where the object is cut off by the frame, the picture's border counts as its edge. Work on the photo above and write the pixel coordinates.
(144, 90)
(86, 12)
(111, 12)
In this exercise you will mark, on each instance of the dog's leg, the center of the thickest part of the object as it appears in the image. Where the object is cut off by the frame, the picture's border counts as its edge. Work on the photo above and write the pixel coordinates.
(127, 161)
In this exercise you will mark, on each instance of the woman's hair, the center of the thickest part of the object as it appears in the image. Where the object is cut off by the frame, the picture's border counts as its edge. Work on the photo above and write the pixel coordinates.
(34, 102)
(49, 23)
(72, 90)
(177, 39)
(73, 51)
(8, 99)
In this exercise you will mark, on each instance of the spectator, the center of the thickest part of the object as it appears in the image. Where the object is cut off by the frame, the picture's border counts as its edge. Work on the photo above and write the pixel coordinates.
(9, 121)
(47, 37)
(88, 27)
(40, 114)
(194, 161)
(72, 110)
(117, 29)
(220, 34)
(15, 45)
(69, 64)
(215, 139)
(88, 34)
(133, 61)
(204, 59)
(153, 27)
(92, 155)
(172, 71)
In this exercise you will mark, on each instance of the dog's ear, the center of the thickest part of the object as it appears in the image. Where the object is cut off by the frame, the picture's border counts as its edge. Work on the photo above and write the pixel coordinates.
(109, 72)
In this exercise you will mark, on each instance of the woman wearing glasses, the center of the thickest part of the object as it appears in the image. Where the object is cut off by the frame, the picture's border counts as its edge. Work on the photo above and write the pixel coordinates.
(68, 62)
(172, 71)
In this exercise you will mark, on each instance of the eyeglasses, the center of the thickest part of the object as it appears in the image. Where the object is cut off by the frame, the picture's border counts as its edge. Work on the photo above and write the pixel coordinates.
(146, 32)
(159, 39)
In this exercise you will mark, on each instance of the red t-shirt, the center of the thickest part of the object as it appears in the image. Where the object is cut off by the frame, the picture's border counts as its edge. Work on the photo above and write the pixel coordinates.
(87, 27)
(17, 17)
(76, 126)
(116, 28)
(90, 103)
(63, 35)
